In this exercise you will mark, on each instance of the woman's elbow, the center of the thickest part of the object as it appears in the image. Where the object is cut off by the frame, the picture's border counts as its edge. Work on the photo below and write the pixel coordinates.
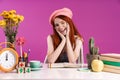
(72, 61)
(51, 61)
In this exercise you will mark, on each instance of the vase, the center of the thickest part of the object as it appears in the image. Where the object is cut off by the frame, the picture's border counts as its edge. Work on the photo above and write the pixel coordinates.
(12, 40)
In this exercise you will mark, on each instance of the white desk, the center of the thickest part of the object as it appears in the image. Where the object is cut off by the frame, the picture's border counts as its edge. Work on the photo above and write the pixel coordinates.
(59, 73)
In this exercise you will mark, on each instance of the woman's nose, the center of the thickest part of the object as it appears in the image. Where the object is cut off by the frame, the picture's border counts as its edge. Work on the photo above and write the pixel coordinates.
(60, 27)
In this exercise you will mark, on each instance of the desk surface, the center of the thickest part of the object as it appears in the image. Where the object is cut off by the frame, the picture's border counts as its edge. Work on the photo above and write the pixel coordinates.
(59, 73)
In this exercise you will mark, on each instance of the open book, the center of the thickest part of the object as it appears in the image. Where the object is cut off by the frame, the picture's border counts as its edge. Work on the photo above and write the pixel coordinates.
(64, 65)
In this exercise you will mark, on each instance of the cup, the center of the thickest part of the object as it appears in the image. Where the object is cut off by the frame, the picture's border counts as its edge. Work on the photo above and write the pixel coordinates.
(35, 64)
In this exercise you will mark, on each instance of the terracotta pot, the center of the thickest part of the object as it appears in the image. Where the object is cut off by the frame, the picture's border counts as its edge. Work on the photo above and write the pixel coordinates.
(90, 58)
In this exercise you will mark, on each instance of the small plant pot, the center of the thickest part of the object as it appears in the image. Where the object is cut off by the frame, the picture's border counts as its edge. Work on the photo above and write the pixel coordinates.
(90, 58)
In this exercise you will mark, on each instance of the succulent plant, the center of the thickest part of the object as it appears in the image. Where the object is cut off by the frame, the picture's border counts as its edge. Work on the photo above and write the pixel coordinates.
(94, 50)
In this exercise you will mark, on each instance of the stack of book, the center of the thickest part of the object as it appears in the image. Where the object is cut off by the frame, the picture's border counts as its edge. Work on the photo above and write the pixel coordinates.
(111, 62)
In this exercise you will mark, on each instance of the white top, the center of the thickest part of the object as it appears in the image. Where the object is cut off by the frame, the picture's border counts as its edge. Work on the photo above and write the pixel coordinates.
(59, 73)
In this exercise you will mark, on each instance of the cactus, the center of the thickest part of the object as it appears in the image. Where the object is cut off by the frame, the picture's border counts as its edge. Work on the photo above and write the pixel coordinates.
(95, 50)
(91, 44)
(92, 48)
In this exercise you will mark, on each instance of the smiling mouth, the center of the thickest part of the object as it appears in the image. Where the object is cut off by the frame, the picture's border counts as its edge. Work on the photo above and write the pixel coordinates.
(63, 31)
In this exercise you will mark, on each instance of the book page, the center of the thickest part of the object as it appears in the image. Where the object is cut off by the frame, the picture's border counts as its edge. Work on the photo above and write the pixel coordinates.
(55, 65)
(64, 65)
(114, 55)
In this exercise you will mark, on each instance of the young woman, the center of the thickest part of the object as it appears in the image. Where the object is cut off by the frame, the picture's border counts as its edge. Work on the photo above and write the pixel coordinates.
(66, 43)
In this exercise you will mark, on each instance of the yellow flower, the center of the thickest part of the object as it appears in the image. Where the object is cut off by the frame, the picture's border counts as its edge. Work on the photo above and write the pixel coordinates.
(12, 12)
(2, 23)
(11, 16)
(4, 13)
(20, 18)
(15, 19)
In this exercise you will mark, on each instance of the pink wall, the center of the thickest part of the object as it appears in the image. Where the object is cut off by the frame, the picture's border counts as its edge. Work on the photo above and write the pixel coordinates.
(97, 18)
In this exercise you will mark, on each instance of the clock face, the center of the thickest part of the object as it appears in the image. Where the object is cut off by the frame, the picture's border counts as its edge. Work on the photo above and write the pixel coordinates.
(8, 59)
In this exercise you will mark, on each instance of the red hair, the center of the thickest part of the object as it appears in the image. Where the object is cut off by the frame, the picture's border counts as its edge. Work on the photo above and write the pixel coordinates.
(73, 31)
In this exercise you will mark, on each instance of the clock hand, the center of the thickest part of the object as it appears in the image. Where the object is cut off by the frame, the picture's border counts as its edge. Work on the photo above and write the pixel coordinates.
(6, 57)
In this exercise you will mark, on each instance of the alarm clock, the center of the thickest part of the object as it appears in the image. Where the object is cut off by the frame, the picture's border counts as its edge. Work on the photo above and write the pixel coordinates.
(8, 59)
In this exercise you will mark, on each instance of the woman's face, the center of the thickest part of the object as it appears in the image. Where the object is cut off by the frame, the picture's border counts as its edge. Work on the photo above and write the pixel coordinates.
(61, 25)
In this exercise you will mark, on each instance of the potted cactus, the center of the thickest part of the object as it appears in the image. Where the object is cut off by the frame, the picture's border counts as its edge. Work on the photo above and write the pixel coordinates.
(93, 52)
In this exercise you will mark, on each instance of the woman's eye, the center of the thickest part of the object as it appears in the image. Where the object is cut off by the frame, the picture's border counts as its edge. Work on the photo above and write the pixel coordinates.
(56, 24)
(62, 22)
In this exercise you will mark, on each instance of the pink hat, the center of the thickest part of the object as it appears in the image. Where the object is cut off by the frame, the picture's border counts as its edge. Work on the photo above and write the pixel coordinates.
(64, 11)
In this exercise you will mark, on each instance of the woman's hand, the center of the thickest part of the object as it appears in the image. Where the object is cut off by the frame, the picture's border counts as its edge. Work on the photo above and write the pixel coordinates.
(68, 30)
(60, 34)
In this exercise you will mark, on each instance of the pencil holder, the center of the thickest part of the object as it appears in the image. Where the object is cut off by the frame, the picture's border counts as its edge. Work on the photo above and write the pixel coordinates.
(24, 59)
